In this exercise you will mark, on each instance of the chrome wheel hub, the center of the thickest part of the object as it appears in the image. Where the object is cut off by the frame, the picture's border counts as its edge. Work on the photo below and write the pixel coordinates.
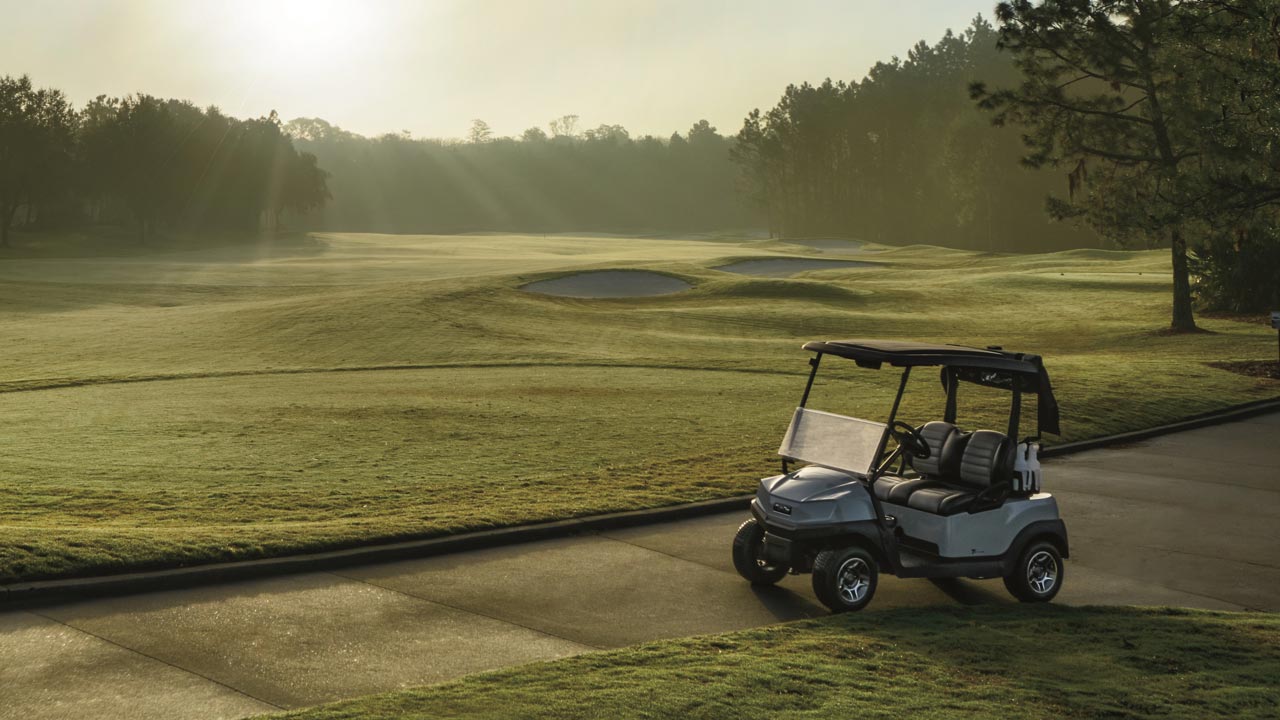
(1042, 572)
(853, 580)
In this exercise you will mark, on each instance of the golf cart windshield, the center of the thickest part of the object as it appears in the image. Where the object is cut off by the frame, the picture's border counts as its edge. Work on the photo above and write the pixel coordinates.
(832, 441)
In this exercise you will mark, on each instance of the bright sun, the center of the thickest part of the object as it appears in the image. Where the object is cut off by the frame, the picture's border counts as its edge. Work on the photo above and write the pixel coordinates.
(282, 38)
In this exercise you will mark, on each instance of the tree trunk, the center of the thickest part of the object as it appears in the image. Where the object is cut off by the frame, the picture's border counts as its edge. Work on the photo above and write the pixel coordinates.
(6, 219)
(1183, 319)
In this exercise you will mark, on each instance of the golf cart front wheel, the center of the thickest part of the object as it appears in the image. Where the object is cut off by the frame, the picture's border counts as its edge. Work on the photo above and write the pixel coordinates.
(845, 579)
(748, 556)
(1038, 575)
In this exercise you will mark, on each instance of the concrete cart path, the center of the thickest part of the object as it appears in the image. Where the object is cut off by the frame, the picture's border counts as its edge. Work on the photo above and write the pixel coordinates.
(1191, 519)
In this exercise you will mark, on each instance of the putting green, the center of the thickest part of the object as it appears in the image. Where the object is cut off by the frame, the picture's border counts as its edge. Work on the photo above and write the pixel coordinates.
(257, 399)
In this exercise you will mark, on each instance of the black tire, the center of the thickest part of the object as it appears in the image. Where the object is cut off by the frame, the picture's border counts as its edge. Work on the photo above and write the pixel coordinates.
(845, 579)
(747, 546)
(1038, 575)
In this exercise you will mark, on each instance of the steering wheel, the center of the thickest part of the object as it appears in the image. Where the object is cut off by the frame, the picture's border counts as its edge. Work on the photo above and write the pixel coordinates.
(910, 440)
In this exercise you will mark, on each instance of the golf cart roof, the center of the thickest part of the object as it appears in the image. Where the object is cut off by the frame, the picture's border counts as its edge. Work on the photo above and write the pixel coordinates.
(902, 353)
(992, 366)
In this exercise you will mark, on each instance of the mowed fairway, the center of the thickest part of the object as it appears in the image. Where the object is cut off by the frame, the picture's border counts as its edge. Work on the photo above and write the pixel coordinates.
(183, 407)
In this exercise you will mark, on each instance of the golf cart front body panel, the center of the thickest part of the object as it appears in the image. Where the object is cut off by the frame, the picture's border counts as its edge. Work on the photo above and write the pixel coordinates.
(813, 495)
(990, 533)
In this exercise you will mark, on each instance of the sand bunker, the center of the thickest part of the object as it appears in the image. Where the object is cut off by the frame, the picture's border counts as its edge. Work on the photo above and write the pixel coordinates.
(609, 284)
(782, 267)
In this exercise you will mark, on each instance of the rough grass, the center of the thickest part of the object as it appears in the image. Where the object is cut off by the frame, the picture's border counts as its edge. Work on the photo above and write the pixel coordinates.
(265, 398)
(990, 662)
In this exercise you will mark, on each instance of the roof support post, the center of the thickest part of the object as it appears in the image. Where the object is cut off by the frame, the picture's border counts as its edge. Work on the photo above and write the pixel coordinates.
(813, 372)
(893, 415)
(804, 399)
(1015, 412)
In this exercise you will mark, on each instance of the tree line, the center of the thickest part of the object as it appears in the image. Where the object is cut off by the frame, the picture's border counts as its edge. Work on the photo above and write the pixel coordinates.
(560, 179)
(1147, 123)
(145, 162)
(903, 156)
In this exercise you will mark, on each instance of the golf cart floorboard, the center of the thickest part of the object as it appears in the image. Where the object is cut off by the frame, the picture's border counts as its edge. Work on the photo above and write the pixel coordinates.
(913, 563)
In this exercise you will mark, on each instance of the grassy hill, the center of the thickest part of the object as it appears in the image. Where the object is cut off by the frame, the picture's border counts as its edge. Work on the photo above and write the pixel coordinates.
(981, 662)
(260, 398)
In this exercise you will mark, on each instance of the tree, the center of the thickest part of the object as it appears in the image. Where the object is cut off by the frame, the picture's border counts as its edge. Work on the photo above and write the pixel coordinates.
(564, 126)
(607, 133)
(1106, 96)
(304, 186)
(127, 148)
(533, 135)
(703, 131)
(480, 132)
(1234, 48)
(37, 129)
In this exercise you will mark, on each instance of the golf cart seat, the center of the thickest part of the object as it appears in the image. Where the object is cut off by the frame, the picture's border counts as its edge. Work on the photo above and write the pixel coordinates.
(984, 473)
(946, 446)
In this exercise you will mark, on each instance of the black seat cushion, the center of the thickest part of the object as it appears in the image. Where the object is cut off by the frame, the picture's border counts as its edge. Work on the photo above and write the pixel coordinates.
(942, 464)
(897, 490)
(936, 435)
(941, 500)
(984, 464)
(986, 460)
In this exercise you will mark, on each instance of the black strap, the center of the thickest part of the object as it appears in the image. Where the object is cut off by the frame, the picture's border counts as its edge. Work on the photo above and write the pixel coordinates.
(952, 385)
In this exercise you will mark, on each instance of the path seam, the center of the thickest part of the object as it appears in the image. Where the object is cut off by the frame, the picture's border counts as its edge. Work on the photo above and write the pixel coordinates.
(162, 661)
(468, 611)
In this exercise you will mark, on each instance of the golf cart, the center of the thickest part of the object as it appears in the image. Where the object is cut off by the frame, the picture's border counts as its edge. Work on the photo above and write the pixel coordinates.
(943, 503)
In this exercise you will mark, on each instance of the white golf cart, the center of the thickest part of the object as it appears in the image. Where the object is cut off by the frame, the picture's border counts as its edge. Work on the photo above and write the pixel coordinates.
(959, 503)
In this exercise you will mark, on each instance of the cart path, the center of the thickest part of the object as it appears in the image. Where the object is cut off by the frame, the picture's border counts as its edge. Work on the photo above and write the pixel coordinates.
(1191, 519)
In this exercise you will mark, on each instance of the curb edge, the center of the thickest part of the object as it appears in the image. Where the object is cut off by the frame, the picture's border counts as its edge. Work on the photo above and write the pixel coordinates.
(21, 594)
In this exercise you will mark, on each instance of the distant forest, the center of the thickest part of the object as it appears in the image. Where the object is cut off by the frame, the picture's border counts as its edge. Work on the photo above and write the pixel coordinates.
(905, 156)
(144, 162)
(559, 179)
(902, 157)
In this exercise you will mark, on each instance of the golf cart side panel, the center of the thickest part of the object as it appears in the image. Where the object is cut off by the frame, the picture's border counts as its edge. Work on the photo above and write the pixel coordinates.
(986, 534)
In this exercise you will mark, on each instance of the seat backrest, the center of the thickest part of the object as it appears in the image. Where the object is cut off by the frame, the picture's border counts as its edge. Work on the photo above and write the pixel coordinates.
(985, 461)
(937, 435)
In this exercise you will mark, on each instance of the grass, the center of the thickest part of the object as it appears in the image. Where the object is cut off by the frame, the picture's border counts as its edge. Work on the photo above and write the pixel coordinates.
(165, 408)
(1006, 662)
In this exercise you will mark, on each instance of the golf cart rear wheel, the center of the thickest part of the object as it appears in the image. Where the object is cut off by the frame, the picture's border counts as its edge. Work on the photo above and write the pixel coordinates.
(845, 579)
(748, 559)
(1038, 575)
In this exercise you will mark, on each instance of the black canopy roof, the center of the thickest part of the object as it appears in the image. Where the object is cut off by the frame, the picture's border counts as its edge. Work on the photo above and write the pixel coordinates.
(993, 366)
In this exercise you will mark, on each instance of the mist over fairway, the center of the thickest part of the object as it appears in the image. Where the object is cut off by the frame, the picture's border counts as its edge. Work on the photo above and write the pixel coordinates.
(319, 391)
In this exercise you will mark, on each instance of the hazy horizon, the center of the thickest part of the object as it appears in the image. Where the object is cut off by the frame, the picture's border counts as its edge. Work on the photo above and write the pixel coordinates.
(431, 67)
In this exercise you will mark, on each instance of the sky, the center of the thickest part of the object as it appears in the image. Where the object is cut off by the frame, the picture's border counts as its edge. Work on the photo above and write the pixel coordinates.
(430, 67)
